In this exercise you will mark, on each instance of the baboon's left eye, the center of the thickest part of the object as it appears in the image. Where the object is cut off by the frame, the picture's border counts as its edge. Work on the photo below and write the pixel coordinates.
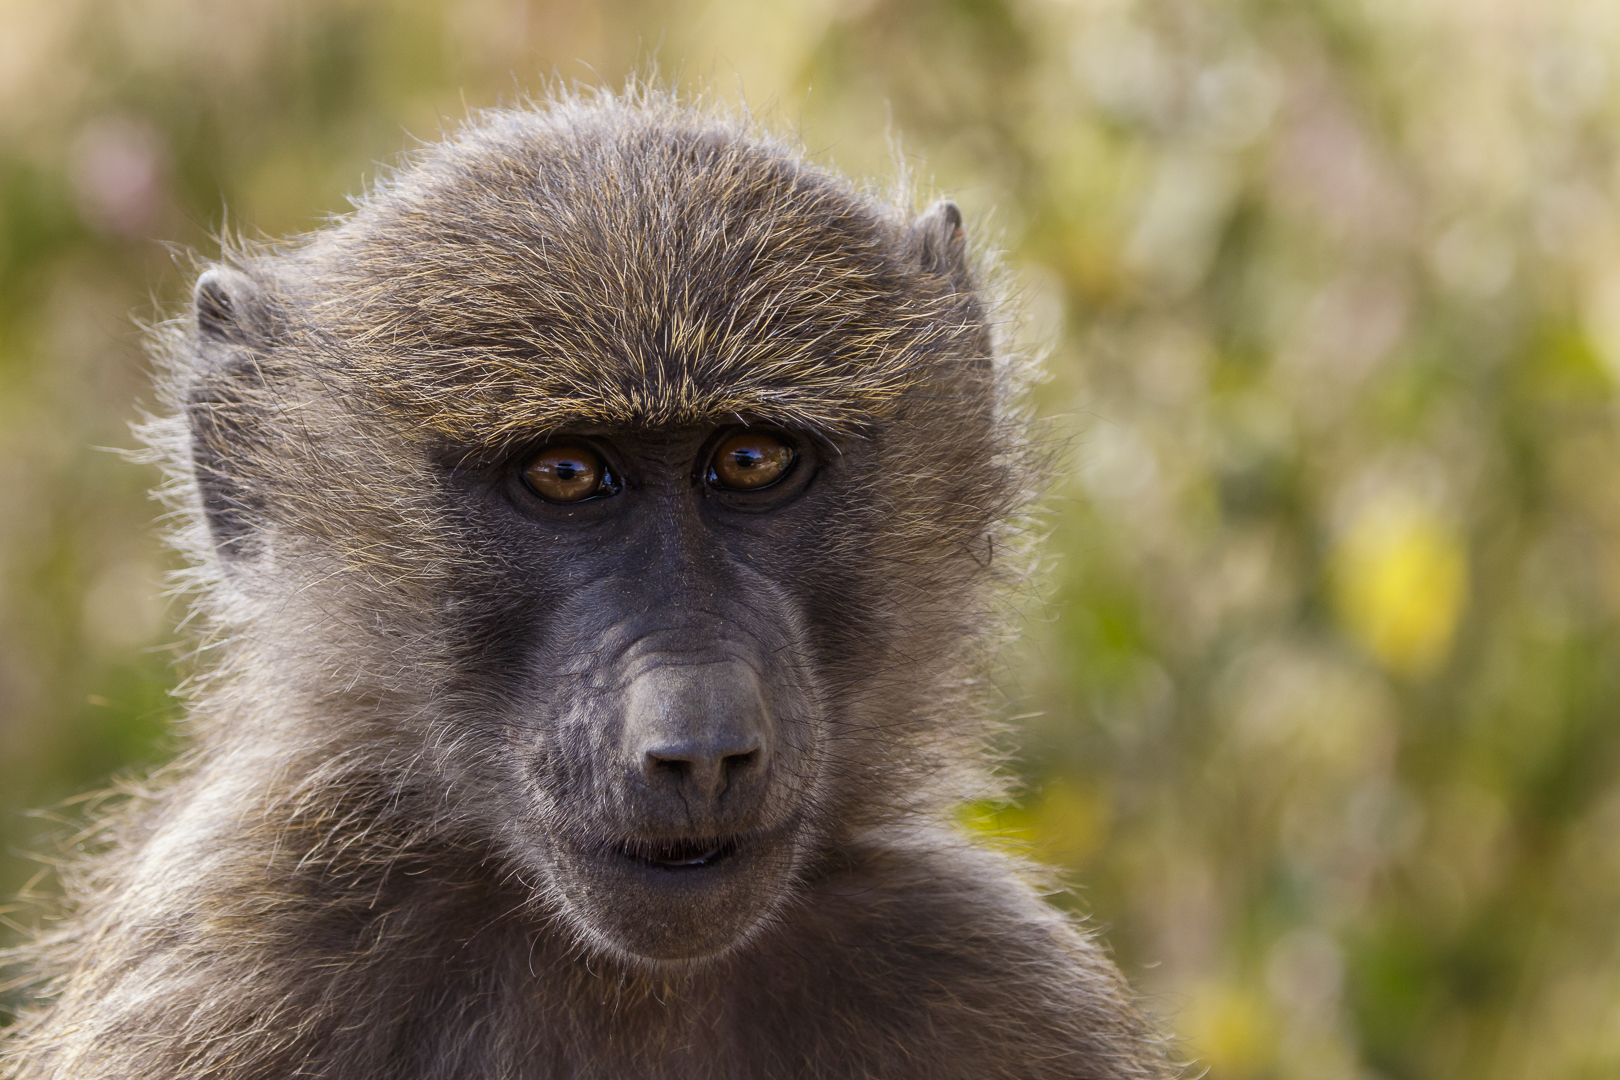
(750, 460)
(566, 474)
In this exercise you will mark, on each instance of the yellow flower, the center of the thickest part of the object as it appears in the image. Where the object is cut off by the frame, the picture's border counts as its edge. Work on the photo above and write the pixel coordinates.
(1400, 578)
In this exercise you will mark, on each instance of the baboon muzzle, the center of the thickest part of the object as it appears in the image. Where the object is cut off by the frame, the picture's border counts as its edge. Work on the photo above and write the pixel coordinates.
(706, 848)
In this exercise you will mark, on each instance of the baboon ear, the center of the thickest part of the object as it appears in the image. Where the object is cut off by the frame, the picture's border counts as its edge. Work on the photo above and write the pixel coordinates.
(222, 405)
(942, 243)
(221, 303)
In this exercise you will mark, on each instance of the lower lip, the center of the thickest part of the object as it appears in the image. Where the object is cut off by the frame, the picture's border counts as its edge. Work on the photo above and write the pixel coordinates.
(701, 860)
(708, 858)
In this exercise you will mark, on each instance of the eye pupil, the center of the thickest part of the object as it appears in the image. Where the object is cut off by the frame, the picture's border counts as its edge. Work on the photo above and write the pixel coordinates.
(750, 460)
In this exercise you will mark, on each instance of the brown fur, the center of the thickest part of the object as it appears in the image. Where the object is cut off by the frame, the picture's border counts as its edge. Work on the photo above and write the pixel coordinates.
(345, 877)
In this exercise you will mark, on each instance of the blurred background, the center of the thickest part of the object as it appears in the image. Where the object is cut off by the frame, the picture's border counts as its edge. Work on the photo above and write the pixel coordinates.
(1321, 698)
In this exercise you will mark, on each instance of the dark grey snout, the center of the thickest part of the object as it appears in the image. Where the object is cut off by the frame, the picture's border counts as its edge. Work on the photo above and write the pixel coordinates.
(699, 732)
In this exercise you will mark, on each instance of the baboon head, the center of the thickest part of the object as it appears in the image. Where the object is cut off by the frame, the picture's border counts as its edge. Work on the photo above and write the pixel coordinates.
(627, 488)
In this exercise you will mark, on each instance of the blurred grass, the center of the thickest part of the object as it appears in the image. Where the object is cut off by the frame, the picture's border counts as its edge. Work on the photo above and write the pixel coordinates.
(1322, 684)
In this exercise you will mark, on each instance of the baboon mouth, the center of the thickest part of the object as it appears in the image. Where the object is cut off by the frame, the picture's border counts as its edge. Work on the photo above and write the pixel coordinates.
(679, 854)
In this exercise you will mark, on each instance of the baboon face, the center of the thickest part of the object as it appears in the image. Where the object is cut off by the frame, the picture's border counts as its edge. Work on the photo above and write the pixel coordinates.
(666, 727)
(633, 476)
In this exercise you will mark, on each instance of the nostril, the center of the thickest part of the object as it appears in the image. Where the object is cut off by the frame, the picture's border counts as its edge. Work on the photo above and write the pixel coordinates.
(673, 766)
(710, 770)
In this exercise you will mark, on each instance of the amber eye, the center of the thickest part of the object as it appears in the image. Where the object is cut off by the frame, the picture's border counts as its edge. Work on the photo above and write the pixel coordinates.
(750, 460)
(567, 474)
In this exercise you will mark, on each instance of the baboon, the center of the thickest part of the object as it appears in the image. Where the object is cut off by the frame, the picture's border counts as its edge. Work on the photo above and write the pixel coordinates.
(598, 536)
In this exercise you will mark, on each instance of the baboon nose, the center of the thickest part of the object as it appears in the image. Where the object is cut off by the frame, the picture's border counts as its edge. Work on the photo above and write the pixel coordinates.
(699, 730)
(709, 767)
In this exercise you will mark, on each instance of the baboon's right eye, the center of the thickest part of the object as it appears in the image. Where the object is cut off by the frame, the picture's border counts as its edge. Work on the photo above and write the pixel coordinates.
(568, 474)
(750, 461)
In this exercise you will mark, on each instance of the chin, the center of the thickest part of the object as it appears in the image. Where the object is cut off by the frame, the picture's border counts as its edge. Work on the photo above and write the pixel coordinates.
(672, 902)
